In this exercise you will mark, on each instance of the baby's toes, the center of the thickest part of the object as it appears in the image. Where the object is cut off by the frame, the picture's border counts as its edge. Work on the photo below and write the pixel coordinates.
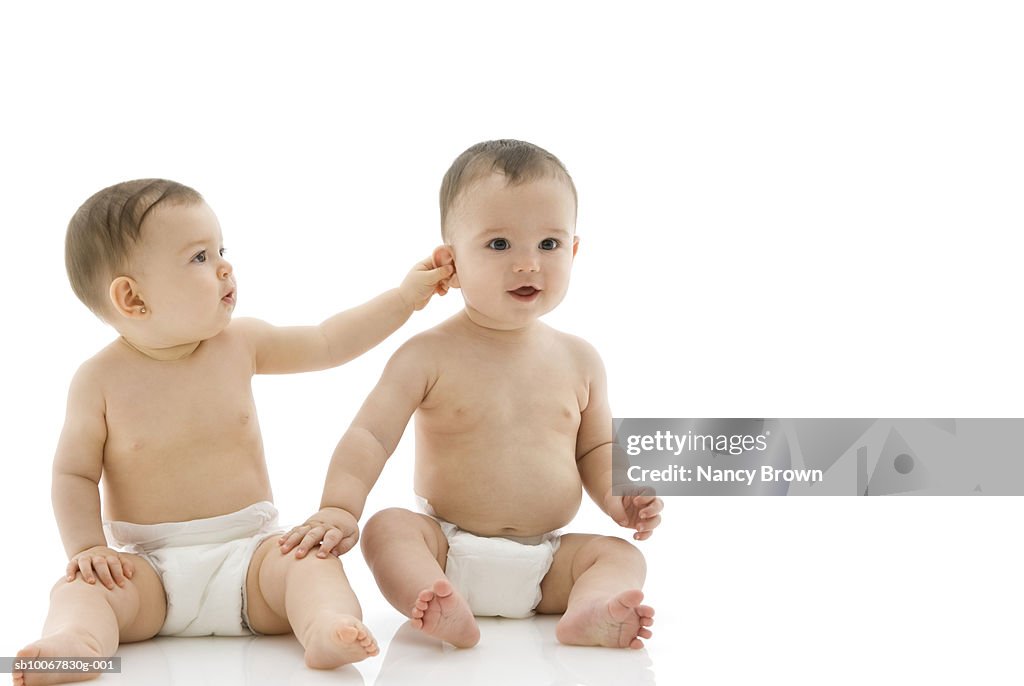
(348, 633)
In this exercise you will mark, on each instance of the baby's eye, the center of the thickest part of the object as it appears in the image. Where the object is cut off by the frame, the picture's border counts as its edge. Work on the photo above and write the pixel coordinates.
(199, 257)
(222, 251)
(549, 244)
(498, 244)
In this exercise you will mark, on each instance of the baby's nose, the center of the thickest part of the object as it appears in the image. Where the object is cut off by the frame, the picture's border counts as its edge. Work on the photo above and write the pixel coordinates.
(225, 269)
(530, 264)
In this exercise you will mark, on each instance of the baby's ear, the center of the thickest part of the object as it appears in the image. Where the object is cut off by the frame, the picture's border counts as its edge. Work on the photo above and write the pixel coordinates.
(125, 298)
(575, 245)
(443, 255)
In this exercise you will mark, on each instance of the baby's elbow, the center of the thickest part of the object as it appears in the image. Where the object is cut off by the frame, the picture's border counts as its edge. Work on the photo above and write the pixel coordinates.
(65, 479)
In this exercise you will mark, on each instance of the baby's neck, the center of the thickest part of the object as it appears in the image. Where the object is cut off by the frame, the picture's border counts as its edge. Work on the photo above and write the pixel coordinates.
(490, 331)
(169, 354)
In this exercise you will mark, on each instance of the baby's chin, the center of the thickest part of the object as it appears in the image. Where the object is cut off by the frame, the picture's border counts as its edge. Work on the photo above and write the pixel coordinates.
(206, 333)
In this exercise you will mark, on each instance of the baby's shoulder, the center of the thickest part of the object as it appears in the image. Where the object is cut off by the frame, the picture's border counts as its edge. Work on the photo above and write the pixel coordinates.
(241, 331)
(424, 346)
(240, 339)
(578, 348)
(108, 358)
(92, 375)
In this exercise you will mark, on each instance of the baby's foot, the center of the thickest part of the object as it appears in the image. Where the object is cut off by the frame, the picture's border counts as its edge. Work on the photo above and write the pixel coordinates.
(336, 639)
(619, 622)
(57, 645)
(441, 612)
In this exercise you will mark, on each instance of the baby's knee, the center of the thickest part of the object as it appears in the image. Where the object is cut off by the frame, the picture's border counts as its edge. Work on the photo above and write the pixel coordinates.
(78, 585)
(612, 547)
(79, 590)
(397, 526)
(387, 522)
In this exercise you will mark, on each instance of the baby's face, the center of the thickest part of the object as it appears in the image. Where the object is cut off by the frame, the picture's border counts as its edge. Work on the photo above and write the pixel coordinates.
(513, 248)
(187, 286)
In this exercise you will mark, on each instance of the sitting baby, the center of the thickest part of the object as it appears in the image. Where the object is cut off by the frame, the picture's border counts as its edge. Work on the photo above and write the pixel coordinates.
(165, 415)
(512, 418)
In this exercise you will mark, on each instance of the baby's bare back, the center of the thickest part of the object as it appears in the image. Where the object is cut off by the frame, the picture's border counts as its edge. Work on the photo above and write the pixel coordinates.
(183, 441)
(496, 434)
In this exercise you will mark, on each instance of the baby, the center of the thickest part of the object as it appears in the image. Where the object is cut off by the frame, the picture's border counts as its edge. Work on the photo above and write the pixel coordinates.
(512, 417)
(165, 415)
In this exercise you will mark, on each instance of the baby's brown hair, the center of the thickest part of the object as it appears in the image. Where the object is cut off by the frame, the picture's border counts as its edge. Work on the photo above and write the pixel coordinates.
(519, 161)
(105, 229)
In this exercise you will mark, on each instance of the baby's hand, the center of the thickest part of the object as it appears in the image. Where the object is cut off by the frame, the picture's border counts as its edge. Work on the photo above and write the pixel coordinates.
(110, 566)
(638, 512)
(334, 529)
(423, 281)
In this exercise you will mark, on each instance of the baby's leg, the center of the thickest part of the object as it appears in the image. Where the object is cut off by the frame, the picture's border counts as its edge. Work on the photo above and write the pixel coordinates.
(89, 620)
(406, 552)
(595, 581)
(310, 597)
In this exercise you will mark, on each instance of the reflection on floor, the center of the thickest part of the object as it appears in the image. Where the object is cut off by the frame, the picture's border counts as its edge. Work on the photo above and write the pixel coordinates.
(511, 651)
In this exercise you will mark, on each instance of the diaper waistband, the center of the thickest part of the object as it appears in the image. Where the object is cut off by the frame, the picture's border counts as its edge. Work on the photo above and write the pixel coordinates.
(246, 522)
(424, 506)
(448, 528)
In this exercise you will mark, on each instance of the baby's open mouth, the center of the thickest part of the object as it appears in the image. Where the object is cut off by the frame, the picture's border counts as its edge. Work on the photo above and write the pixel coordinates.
(525, 292)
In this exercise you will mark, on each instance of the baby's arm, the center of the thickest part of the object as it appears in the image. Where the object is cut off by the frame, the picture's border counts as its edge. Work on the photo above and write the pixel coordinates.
(362, 452)
(346, 335)
(75, 491)
(594, 456)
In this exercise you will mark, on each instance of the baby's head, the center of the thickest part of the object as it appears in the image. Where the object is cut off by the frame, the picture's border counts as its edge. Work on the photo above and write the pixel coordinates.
(508, 219)
(146, 256)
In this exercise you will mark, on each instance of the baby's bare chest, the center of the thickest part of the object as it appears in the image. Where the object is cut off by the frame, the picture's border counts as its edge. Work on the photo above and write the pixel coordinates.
(162, 409)
(524, 395)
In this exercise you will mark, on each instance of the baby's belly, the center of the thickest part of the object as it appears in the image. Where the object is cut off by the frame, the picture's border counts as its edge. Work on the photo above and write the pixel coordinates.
(164, 490)
(495, 497)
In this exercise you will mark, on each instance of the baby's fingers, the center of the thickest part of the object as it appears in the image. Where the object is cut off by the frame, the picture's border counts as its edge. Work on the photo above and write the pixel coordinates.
(292, 538)
(652, 509)
(116, 570)
(312, 538)
(121, 569)
(439, 274)
(128, 566)
(328, 545)
(84, 566)
(102, 569)
(424, 265)
(645, 528)
(348, 542)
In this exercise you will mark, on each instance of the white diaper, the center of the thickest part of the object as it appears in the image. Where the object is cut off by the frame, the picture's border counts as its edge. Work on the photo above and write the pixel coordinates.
(498, 576)
(202, 565)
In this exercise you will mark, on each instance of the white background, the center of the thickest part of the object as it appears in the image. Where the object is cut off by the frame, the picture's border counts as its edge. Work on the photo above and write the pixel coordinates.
(786, 209)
